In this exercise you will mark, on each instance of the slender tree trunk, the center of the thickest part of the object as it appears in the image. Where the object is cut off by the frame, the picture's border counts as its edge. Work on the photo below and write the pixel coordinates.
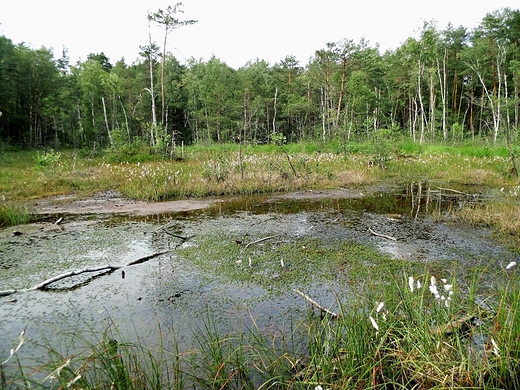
(419, 96)
(163, 91)
(432, 105)
(341, 91)
(126, 121)
(323, 114)
(151, 90)
(275, 110)
(443, 85)
(106, 122)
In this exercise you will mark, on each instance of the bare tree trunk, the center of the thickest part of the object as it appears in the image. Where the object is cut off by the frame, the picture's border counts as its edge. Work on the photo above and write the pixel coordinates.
(126, 120)
(443, 85)
(419, 96)
(341, 91)
(106, 122)
(151, 90)
(163, 89)
(275, 110)
(323, 113)
(80, 125)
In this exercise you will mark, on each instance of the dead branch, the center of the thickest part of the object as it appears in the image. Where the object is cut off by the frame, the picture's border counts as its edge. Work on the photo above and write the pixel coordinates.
(259, 241)
(382, 235)
(178, 236)
(6, 293)
(451, 190)
(65, 275)
(316, 304)
(108, 267)
(452, 326)
(166, 226)
(144, 259)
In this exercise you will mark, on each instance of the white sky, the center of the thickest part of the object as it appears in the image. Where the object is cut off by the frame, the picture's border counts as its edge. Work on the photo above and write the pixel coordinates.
(235, 31)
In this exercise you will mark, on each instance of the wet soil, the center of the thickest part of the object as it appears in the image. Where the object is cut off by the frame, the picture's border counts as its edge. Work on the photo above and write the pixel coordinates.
(111, 202)
(185, 287)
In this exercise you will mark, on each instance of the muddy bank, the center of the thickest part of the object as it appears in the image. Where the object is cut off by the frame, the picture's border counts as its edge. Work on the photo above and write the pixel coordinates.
(110, 202)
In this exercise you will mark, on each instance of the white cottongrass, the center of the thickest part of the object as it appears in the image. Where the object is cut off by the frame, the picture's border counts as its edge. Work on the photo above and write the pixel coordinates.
(434, 291)
(374, 323)
(448, 290)
(14, 350)
(411, 283)
(57, 371)
(496, 350)
(511, 265)
(77, 378)
(380, 306)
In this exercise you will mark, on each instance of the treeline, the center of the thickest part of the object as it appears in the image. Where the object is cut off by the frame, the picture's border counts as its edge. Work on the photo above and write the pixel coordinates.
(440, 85)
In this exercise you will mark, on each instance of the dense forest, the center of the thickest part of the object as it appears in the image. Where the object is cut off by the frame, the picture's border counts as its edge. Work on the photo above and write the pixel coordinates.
(452, 84)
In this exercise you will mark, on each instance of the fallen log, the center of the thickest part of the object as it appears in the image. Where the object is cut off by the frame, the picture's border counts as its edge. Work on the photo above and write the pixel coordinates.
(65, 275)
(451, 190)
(452, 326)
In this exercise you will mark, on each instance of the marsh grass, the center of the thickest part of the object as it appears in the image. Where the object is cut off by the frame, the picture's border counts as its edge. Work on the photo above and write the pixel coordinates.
(11, 215)
(229, 169)
(400, 330)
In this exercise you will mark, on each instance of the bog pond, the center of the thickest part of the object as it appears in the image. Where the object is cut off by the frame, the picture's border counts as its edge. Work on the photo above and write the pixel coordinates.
(230, 262)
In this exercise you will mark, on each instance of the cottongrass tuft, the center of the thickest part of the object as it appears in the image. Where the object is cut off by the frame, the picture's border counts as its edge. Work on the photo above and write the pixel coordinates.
(14, 350)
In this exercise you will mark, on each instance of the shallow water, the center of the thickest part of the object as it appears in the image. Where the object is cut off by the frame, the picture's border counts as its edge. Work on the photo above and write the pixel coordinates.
(176, 292)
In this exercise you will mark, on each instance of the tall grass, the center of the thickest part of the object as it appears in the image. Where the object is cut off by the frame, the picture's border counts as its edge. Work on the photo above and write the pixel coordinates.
(11, 214)
(217, 169)
(407, 331)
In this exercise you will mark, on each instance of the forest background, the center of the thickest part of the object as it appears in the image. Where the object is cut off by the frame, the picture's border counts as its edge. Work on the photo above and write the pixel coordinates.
(454, 84)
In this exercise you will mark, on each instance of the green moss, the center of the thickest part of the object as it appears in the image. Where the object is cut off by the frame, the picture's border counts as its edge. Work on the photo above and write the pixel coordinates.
(280, 264)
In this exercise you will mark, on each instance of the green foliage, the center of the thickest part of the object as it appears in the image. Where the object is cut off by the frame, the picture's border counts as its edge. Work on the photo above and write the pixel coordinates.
(424, 91)
(11, 215)
(47, 159)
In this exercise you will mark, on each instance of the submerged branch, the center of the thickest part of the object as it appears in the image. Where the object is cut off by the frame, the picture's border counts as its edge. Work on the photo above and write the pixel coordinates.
(451, 190)
(382, 235)
(43, 285)
(259, 241)
(316, 304)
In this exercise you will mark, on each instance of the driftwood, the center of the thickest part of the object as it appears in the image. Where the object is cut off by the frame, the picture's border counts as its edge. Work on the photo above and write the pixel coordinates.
(178, 236)
(109, 268)
(382, 235)
(169, 224)
(451, 190)
(259, 241)
(316, 304)
(452, 326)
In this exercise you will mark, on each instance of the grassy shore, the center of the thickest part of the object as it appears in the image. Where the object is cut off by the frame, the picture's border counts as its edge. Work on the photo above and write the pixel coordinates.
(216, 170)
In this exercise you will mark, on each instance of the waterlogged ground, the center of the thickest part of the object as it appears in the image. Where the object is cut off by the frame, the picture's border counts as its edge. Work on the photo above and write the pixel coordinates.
(225, 263)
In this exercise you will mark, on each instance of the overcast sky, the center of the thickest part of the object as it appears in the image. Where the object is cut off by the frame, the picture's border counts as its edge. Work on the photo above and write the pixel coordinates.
(235, 31)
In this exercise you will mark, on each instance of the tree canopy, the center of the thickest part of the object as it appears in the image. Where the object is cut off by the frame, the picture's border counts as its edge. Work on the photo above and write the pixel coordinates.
(446, 84)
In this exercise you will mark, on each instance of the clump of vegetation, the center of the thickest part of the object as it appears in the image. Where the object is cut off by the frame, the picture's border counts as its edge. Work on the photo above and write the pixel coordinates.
(11, 215)
(405, 331)
(47, 159)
